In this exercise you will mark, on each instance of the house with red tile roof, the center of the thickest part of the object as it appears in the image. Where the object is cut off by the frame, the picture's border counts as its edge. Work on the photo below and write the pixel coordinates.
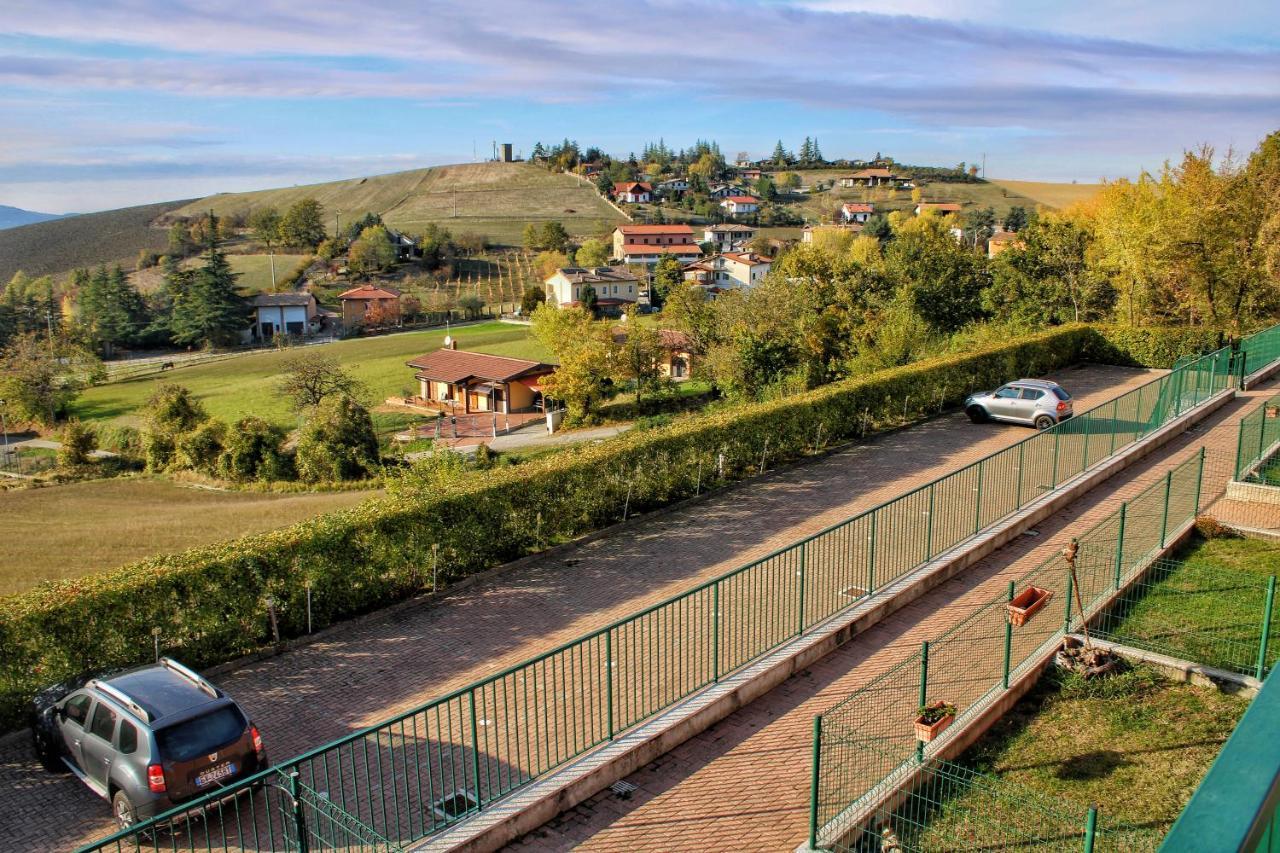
(876, 177)
(856, 212)
(616, 288)
(462, 382)
(740, 205)
(633, 192)
(370, 305)
(647, 244)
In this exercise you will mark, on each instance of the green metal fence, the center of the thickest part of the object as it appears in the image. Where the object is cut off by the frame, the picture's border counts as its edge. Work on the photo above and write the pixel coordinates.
(1197, 612)
(412, 775)
(866, 744)
(948, 806)
(1257, 443)
(1258, 351)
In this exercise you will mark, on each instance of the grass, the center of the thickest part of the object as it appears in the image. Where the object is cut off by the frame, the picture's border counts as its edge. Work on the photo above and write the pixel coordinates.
(1051, 194)
(1204, 606)
(75, 529)
(255, 270)
(972, 195)
(1135, 744)
(246, 385)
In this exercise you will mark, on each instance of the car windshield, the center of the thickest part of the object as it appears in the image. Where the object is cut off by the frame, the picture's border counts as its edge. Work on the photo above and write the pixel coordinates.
(1061, 394)
(184, 741)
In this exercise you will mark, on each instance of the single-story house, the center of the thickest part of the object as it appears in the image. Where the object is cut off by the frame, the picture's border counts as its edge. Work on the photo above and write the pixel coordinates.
(676, 361)
(728, 236)
(856, 212)
(876, 177)
(406, 247)
(633, 192)
(647, 244)
(274, 314)
(463, 382)
(942, 208)
(617, 288)
(740, 205)
(370, 305)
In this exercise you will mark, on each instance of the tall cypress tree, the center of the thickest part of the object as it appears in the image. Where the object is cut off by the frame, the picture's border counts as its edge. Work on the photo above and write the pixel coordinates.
(211, 312)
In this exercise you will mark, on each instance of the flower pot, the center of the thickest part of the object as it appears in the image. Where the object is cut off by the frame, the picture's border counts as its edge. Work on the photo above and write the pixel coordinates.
(1273, 411)
(928, 731)
(1027, 604)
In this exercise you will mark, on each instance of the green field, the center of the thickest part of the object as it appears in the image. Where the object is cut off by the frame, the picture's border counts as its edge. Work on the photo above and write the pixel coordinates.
(73, 530)
(494, 199)
(246, 385)
(255, 270)
(1052, 195)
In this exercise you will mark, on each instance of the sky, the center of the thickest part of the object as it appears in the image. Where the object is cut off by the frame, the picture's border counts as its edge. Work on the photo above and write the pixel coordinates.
(107, 103)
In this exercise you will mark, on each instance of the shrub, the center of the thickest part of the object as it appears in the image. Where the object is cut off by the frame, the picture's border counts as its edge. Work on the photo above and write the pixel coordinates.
(253, 452)
(200, 448)
(338, 442)
(78, 440)
(125, 440)
(1150, 346)
(207, 603)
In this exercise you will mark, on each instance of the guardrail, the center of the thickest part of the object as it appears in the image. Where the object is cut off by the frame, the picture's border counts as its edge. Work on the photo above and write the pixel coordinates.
(1259, 432)
(416, 773)
(1259, 350)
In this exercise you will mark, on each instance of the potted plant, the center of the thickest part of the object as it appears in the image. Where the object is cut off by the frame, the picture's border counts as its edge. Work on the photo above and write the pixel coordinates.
(1026, 604)
(934, 719)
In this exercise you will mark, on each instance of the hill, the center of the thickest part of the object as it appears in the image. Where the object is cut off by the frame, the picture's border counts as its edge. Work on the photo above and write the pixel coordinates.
(12, 217)
(1049, 194)
(493, 199)
(89, 239)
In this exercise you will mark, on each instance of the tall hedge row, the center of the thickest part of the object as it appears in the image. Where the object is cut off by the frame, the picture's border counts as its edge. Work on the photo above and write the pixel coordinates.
(1150, 346)
(210, 604)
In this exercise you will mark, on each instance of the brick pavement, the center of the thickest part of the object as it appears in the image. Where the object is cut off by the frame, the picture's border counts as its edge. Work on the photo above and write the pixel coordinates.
(371, 670)
(744, 783)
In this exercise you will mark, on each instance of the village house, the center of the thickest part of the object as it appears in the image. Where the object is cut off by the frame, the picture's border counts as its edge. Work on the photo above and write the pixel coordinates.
(942, 208)
(728, 236)
(370, 305)
(729, 270)
(676, 361)
(616, 288)
(740, 205)
(718, 191)
(673, 186)
(807, 234)
(462, 382)
(406, 247)
(647, 244)
(750, 174)
(1002, 240)
(876, 177)
(856, 212)
(633, 192)
(274, 314)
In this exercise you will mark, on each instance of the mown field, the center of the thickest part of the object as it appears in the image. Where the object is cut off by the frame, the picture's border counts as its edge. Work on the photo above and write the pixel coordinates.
(246, 385)
(493, 199)
(58, 246)
(1052, 195)
(73, 530)
(255, 270)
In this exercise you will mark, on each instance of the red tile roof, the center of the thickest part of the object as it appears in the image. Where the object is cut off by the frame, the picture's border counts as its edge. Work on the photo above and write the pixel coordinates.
(943, 206)
(632, 186)
(656, 229)
(873, 173)
(451, 365)
(369, 291)
(743, 199)
(858, 207)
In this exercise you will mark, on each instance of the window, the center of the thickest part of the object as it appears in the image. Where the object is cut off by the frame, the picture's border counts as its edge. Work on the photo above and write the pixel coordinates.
(1007, 393)
(127, 740)
(78, 709)
(184, 741)
(104, 722)
(1061, 394)
(1032, 393)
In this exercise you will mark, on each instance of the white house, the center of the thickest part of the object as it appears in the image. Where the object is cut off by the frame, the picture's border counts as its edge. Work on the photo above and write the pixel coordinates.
(856, 212)
(740, 205)
(616, 288)
(726, 190)
(284, 314)
(633, 192)
(674, 185)
(729, 270)
(728, 236)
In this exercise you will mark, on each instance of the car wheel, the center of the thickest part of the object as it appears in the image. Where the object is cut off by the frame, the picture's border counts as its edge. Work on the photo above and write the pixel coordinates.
(122, 810)
(977, 414)
(1044, 422)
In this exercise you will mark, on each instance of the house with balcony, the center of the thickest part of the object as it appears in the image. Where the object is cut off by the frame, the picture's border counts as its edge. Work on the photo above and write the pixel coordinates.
(740, 205)
(729, 236)
(617, 289)
(647, 244)
(729, 270)
(461, 382)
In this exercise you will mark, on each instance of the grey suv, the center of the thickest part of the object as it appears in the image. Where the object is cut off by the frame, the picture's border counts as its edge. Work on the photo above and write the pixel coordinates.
(1035, 402)
(147, 739)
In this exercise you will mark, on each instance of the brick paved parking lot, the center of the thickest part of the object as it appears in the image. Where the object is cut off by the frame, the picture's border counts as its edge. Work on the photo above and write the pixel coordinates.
(360, 674)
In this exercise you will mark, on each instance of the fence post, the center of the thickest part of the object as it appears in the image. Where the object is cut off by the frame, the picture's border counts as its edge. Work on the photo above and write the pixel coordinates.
(977, 510)
(1066, 625)
(1008, 641)
(1199, 479)
(715, 632)
(608, 682)
(1124, 510)
(1240, 447)
(804, 548)
(1261, 668)
(299, 818)
(1115, 415)
(1090, 828)
(871, 558)
(1244, 355)
(1057, 440)
(475, 746)
(924, 690)
(1022, 455)
(928, 535)
(1084, 454)
(1164, 519)
(814, 777)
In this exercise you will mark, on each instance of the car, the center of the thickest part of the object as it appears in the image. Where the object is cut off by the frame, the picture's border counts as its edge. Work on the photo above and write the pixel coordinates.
(146, 739)
(1035, 402)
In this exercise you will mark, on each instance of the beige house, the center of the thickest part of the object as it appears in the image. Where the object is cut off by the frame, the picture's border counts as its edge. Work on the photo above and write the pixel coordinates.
(1002, 240)
(876, 177)
(370, 305)
(616, 288)
(729, 270)
(728, 236)
(676, 361)
(462, 382)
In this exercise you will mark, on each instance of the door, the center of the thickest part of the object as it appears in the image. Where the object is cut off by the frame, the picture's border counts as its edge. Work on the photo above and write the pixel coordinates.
(76, 719)
(96, 747)
(1030, 400)
(1004, 403)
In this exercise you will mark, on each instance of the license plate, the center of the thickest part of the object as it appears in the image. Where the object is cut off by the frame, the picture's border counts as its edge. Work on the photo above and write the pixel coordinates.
(214, 774)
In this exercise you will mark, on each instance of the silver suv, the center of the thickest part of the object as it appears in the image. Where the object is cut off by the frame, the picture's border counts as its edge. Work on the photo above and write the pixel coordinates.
(147, 739)
(1036, 402)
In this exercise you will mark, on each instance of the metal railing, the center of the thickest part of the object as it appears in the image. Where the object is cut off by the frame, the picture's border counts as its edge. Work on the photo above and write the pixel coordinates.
(417, 773)
(865, 747)
(1257, 442)
(1259, 350)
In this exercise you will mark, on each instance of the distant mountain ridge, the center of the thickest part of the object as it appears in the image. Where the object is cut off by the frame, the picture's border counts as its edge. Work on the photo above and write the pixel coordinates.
(12, 217)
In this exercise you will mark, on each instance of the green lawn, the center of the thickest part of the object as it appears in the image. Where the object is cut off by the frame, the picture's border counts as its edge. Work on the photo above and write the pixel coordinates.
(246, 385)
(255, 270)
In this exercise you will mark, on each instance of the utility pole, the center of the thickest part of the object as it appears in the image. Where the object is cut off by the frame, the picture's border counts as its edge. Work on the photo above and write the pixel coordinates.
(337, 224)
(984, 165)
(272, 255)
(4, 425)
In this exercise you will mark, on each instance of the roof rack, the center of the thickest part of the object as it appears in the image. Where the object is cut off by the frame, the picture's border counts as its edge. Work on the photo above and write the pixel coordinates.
(190, 675)
(119, 696)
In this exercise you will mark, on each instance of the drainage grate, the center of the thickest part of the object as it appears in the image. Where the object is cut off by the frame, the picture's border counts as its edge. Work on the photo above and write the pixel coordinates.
(454, 805)
(853, 592)
(623, 789)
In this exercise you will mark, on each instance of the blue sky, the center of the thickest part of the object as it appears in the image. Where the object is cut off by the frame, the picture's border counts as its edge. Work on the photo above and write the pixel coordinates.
(105, 103)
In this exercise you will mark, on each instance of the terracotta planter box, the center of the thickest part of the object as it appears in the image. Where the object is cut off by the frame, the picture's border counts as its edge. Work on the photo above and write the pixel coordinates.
(928, 731)
(1027, 604)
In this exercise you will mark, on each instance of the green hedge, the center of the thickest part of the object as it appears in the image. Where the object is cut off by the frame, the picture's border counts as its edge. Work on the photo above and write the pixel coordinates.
(1151, 346)
(209, 604)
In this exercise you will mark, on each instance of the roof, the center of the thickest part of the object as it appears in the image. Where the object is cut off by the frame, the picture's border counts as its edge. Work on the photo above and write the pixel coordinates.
(452, 365)
(873, 173)
(369, 291)
(1004, 237)
(670, 249)
(583, 275)
(743, 199)
(732, 226)
(656, 229)
(671, 339)
(751, 259)
(628, 186)
(858, 207)
(160, 691)
(271, 300)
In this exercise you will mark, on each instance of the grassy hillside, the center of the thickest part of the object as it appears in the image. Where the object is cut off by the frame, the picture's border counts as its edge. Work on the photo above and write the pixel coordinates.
(246, 385)
(1051, 195)
(82, 241)
(494, 199)
(983, 194)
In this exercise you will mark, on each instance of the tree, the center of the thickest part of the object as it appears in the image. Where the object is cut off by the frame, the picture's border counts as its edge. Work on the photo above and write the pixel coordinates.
(790, 181)
(337, 442)
(585, 350)
(532, 297)
(200, 448)
(765, 188)
(668, 274)
(253, 451)
(265, 225)
(943, 279)
(553, 236)
(589, 298)
(77, 443)
(180, 244)
(437, 246)
(372, 251)
(211, 311)
(593, 253)
(781, 158)
(303, 224)
(1047, 278)
(169, 413)
(112, 311)
(1015, 219)
(979, 224)
(40, 379)
(546, 263)
(531, 237)
(312, 376)
(638, 357)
